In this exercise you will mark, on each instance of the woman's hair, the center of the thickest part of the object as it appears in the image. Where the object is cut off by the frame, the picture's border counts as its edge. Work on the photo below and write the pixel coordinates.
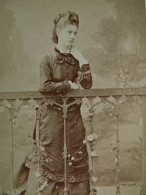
(62, 19)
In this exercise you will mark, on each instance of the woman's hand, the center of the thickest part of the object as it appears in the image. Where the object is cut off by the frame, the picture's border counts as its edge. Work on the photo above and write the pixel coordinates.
(73, 85)
(79, 57)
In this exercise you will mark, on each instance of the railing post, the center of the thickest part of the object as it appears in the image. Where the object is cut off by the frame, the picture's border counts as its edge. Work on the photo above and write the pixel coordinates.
(144, 133)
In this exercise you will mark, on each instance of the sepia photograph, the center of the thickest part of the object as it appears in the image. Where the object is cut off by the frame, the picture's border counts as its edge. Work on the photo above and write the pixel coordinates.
(73, 97)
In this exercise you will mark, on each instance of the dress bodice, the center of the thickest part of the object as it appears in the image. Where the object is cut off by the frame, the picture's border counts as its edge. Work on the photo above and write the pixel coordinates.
(63, 67)
(56, 68)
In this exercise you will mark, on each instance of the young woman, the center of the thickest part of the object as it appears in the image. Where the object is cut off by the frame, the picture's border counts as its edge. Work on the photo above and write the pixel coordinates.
(62, 69)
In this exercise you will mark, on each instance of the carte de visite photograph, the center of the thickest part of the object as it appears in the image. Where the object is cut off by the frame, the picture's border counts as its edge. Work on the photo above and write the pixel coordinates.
(73, 97)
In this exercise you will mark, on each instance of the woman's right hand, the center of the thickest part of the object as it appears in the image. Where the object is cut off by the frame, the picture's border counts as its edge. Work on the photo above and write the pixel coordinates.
(73, 85)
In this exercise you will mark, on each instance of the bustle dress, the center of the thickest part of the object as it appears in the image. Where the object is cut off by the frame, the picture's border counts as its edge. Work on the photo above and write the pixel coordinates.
(48, 178)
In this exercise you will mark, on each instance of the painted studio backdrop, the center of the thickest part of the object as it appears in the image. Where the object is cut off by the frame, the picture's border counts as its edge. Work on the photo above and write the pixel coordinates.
(112, 37)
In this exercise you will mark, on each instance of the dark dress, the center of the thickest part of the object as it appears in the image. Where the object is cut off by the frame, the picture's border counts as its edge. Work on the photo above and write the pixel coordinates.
(47, 178)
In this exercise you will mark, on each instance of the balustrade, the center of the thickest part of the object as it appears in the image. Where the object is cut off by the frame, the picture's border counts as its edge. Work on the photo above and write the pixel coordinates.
(108, 102)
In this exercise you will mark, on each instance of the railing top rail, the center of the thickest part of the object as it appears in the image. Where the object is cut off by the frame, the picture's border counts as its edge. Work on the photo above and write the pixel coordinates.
(75, 93)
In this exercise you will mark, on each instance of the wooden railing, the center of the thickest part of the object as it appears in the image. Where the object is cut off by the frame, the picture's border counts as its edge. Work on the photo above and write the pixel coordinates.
(14, 102)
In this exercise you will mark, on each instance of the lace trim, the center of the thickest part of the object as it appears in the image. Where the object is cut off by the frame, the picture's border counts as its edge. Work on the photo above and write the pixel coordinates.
(85, 67)
(60, 178)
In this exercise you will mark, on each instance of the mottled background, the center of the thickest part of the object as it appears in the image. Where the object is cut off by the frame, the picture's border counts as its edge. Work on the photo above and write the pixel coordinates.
(112, 36)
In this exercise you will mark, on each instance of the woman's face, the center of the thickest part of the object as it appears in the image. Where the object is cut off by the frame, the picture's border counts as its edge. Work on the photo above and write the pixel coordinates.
(67, 34)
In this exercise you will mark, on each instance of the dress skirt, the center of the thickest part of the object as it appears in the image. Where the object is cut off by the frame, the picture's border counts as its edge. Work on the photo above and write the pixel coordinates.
(46, 162)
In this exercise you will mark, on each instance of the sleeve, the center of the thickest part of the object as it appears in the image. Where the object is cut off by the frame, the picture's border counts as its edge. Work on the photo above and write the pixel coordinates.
(84, 73)
(86, 77)
(46, 83)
